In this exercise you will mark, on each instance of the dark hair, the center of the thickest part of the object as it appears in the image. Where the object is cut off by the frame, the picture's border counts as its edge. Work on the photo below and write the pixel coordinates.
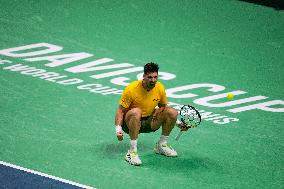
(151, 67)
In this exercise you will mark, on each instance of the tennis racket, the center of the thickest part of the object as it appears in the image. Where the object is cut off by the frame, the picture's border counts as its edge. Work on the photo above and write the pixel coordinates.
(189, 116)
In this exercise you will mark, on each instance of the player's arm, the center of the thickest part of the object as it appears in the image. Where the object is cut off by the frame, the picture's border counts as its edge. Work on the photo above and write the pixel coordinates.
(163, 98)
(119, 121)
(124, 104)
(119, 115)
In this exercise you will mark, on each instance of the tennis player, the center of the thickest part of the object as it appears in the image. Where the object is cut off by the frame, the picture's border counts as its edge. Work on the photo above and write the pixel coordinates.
(137, 113)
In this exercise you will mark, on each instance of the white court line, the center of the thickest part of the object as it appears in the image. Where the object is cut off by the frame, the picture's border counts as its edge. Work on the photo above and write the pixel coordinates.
(46, 175)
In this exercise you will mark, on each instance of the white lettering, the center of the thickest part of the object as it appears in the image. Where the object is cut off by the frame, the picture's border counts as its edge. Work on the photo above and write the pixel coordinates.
(119, 72)
(58, 60)
(225, 121)
(207, 115)
(212, 88)
(53, 79)
(88, 67)
(45, 75)
(88, 86)
(18, 67)
(5, 61)
(112, 91)
(33, 71)
(120, 81)
(265, 106)
(98, 88)
(205, 101)
(213, 118)
(49, 48)
(70, 81)
(162, 76)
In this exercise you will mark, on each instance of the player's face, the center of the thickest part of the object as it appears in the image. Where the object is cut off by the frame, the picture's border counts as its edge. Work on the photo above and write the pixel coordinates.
(150, 80)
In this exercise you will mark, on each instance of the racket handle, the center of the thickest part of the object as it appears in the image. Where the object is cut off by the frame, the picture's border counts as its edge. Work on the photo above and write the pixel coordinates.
(178, 136)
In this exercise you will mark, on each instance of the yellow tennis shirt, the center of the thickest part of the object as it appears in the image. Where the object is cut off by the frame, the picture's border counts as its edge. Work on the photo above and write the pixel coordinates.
(135, 96)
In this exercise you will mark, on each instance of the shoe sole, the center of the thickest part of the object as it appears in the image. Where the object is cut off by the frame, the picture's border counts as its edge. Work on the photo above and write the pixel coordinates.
(157, 152)
(132, 163)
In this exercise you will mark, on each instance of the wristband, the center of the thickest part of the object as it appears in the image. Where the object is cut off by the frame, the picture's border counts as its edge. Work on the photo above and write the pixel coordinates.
(178, 122)
(118, 129)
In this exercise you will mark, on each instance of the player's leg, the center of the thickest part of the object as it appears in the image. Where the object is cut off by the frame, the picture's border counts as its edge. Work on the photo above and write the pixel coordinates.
(132, 119)
(167, 118)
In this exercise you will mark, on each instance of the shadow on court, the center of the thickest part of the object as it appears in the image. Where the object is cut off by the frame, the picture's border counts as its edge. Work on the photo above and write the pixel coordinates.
(183, 163)
(276, 4)
(179, 164)
(119, 149)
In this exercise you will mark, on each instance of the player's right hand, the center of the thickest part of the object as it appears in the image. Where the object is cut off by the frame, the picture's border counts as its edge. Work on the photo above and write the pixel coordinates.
(119, 132)
(184, 127)
(119, 136)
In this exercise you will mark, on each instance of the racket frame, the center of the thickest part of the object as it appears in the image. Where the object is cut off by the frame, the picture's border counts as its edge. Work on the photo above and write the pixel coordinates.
(183, 121)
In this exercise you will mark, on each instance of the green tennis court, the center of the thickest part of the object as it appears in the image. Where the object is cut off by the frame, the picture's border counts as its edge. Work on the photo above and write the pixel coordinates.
(63, 65)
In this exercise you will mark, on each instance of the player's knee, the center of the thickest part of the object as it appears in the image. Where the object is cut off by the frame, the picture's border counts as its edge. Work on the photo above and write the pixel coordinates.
(171, 113)
(135, 113)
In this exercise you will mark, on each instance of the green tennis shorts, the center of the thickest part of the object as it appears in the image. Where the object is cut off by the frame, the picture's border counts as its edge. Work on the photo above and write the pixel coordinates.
(145, 125)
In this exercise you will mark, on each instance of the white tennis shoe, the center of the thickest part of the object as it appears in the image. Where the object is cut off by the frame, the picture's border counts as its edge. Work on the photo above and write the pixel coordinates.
(165, 149)
(132, 158)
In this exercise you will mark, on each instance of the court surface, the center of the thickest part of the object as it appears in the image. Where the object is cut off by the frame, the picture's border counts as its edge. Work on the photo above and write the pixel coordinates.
(63, 65)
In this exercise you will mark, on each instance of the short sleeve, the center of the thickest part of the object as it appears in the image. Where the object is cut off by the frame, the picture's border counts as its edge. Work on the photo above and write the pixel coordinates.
(163, 95)
(125, 100)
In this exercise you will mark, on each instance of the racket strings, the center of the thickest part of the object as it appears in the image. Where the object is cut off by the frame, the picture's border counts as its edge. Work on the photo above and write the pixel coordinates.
(190, 116)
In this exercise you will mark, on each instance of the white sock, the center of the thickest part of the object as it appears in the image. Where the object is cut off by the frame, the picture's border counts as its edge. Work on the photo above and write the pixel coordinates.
(133, 145)
(163, 139)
